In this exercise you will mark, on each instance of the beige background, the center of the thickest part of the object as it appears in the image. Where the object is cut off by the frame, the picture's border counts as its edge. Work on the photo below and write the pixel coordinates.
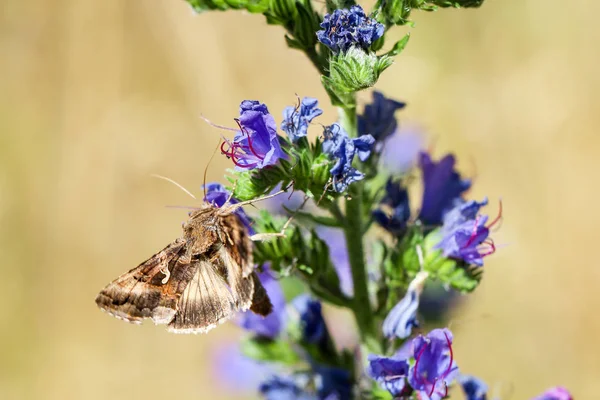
(96, 96)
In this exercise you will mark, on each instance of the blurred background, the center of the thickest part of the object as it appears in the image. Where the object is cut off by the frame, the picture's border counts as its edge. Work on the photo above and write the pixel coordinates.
(97, 95)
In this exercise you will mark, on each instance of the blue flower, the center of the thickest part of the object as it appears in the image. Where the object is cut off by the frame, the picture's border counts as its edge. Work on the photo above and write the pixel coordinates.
(378, 117)
(556, 393)
(346, 28)
(338, 252)
(217, 195)
(474, 388)
(465, 234)
(389, 373)
(296, 119)
(442, 187)
(281, 388)
(312, 323)
(257, 143)
(271, 325)
(394, 210)
(235, 372)
(333, 383)
(434, 367)
(401, 150)
(342, 149)
(403, 317)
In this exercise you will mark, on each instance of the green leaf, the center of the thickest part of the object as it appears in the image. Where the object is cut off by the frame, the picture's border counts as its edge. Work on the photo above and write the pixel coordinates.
(306, 25)
(253, 6)
(263, 349)
(399, 46)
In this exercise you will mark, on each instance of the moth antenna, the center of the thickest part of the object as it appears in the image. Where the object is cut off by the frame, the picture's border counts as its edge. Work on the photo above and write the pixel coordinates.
(184, 207)
(206, 168)
(174, 183)
(269, 235)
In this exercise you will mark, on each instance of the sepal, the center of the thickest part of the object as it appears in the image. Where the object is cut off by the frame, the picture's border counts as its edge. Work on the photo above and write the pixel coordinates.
(355, 70)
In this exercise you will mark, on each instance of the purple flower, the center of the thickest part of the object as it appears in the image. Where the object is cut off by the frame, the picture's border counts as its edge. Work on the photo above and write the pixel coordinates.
(434, 367)
(312, 323)
(401, 150)
(389, 373)
(403, 317)
(474, 388)
(283, 388)
(271, 325)
(465, 233)
(338, 146)
(346, 28)
(442, 187)
(556, 393)
(235, 372)
(394, 210)
(339, 256)
(296, 119)
(378, 118)
(217, 195)
(333, 383)
(257, 143)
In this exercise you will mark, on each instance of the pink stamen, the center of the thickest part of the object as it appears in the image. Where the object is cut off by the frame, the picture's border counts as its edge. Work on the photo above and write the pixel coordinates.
(245, 132)
(473, 234)
(498, 217)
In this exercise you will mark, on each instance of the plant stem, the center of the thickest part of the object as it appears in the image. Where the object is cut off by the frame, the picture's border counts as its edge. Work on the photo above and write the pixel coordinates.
(316, 60)
(353, 232)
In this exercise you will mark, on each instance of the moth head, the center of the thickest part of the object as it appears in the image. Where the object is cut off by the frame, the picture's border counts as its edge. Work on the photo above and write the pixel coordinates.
(201, 229)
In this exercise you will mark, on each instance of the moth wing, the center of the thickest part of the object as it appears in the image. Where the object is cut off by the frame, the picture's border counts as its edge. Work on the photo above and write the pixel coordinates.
(207, 301)
(261, 303)
(150, 290)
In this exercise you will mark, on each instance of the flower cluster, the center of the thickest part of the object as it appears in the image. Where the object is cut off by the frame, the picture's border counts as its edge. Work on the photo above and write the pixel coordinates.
(355, 239)
(345, 28)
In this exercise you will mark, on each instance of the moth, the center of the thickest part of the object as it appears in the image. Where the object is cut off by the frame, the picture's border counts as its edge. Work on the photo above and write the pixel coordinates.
(198, 281)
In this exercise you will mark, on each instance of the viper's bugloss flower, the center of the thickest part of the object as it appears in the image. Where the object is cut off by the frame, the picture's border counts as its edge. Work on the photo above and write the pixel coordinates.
(338, 253)
(237, 373)
(339, 147)
(434, 367)
(442, 187)
(393, 212)
(378, 119)
(296, 119)
(556, 393)
(333, 383)
(256, 145)
(281, 388)
(217, 195)
(271, 325)
(345, 28)
(401, 150)
(474, 388)
(465, 233)
(312, 324)
(403, 317)
(389, 373)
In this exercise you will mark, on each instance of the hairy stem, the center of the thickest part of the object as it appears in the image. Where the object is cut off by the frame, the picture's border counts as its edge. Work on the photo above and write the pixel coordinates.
(353, 231)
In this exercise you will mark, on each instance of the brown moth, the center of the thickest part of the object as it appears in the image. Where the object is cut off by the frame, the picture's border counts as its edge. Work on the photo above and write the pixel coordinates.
(195, 283)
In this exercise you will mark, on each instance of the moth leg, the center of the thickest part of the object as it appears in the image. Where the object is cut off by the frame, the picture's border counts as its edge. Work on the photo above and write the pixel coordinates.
(260, 237)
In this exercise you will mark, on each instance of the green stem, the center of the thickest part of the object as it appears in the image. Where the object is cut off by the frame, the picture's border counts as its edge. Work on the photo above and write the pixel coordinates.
(316, 60)
(353, 232)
